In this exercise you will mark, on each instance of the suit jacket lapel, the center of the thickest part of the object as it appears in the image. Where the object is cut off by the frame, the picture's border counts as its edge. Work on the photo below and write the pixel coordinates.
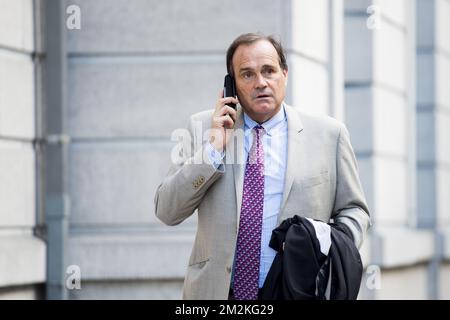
(295, 127)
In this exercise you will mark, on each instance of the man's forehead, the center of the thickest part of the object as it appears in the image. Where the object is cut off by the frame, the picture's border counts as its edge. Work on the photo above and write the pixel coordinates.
(258, 53)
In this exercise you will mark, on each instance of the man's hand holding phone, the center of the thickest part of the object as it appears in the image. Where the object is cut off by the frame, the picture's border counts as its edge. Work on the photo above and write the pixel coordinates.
(223, 118)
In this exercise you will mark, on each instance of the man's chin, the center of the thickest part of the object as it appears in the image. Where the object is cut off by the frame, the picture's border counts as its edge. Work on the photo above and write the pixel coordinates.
(264, 108)
(263, 104)
(262, 112)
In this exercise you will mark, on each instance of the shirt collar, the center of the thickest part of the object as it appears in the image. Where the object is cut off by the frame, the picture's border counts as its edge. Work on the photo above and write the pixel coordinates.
(279, 117)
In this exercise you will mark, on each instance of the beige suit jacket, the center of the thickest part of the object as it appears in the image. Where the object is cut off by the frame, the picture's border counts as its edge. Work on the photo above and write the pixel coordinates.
(321, 182)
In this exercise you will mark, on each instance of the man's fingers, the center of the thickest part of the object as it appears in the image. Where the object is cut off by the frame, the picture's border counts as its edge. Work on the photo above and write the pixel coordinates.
(224, 110)
(221, 97)
(224, 117)
(224, 101)
(219, 100)
(228, 100)
(225, 121)
(228, 110)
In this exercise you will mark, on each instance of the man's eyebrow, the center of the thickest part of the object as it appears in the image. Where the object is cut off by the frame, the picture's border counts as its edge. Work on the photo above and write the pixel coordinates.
(267, 66)
(246, 69)
(251, 69)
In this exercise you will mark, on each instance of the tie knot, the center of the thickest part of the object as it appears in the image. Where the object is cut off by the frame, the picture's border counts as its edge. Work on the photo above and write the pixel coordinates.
(259, 129)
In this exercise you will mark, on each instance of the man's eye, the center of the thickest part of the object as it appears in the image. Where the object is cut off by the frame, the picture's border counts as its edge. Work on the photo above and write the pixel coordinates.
(247, 75)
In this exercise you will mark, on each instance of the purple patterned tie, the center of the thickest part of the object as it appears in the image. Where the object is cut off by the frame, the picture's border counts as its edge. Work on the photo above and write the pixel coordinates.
(248, 248)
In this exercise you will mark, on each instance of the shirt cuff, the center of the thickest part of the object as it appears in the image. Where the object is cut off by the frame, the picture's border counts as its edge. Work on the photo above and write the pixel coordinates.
(323, 234)
(215, 157)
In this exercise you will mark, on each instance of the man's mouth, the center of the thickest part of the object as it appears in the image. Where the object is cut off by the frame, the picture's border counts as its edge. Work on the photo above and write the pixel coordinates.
(263, 96)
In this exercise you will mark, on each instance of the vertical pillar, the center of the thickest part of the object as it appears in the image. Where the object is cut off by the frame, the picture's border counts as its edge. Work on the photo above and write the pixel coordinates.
(56, 149)
(336, 47)
(433, 123)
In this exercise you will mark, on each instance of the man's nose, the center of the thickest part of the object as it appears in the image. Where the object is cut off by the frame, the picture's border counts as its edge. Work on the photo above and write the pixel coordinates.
(261, 82)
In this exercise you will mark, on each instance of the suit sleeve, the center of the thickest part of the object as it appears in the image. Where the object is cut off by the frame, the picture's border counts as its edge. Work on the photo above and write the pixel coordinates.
(188, 179)
(350, 207)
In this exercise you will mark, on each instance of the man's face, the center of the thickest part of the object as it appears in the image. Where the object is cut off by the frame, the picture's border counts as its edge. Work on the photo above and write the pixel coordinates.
(260, 81)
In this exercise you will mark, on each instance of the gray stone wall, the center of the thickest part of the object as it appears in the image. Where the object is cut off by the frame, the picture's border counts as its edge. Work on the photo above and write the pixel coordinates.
(22, 254)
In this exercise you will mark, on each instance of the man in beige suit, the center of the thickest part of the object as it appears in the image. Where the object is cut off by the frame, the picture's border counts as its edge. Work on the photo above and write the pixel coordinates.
(306, 163)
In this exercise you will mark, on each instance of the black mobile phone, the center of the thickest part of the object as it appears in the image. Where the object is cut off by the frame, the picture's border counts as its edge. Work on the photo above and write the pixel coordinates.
(229, 89)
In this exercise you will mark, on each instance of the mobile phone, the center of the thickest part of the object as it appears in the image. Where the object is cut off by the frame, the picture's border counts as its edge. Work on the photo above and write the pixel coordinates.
(229, 89)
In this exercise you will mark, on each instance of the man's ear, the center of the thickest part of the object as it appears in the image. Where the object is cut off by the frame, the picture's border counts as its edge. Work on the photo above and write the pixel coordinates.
(286, 77)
